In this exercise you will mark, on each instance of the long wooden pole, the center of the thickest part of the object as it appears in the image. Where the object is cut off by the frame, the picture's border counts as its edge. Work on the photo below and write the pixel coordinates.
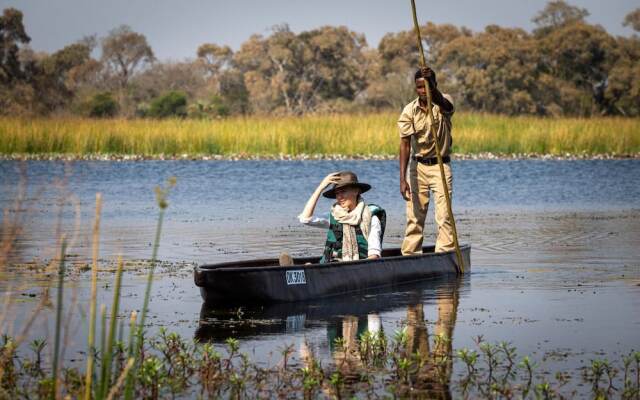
(423, 64)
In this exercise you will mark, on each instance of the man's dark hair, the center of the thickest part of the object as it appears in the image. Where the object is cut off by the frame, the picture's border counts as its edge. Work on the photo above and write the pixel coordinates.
(420, 75)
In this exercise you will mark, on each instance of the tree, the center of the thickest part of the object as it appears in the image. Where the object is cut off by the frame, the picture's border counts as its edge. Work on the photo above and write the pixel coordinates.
(557, 14)
(293, 74)
(48, 82)
(123, 52)
(64, 61)
(566, 66)
(12, 34)
(233, 92)
(582, 55)
(623, 89)
(493, 71)
(215, 58)
(274, 71)
(58, 75)
(392, 85)
(633, 19)
(188, 77)
(337, 61)
(398, 52)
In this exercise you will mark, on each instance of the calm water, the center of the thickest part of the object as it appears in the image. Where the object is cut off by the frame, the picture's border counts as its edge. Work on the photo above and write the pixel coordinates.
(556, 249)
(222, 211)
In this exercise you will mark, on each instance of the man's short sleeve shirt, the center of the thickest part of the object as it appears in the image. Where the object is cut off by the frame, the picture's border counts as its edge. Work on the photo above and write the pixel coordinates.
(414, 123)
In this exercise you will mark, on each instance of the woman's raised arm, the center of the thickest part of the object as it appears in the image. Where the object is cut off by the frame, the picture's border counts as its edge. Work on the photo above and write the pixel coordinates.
(307, 212)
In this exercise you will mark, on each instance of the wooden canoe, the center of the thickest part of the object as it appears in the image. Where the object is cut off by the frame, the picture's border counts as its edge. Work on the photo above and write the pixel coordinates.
(260, 281)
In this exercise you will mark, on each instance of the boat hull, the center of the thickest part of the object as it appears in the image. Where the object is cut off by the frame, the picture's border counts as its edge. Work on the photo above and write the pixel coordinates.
(266, 281)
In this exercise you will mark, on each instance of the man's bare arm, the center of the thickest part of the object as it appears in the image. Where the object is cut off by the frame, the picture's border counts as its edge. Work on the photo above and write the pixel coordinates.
(405, 150)
(441, 101)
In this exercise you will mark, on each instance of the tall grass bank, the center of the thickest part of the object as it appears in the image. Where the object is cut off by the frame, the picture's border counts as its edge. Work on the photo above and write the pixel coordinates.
(348, 135)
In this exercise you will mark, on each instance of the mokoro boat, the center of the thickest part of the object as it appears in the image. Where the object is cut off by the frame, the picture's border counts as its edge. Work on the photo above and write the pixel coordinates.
(266, 281)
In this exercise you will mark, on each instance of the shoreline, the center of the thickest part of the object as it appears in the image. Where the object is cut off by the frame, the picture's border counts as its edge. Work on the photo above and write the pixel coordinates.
(302, 157)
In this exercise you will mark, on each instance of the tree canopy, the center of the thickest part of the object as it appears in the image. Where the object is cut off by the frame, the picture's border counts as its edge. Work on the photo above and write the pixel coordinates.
(123, 51)
(564, 66)
(12, 35)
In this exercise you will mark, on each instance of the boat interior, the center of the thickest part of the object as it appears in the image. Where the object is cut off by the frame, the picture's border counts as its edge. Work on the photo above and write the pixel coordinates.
(274, 262)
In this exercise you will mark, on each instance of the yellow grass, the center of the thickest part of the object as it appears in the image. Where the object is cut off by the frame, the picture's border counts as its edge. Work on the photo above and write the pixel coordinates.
(368, 134)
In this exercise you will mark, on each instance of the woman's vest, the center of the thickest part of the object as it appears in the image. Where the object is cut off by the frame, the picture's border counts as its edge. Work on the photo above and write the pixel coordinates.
(333, 245)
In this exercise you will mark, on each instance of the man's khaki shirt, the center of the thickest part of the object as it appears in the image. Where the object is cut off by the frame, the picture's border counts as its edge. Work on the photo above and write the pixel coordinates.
(413, 122)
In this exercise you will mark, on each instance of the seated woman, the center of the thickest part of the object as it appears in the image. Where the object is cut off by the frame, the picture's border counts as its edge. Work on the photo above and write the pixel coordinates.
(355, 228)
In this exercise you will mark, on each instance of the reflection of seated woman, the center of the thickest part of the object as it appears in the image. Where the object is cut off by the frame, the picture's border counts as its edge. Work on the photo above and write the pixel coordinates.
(346, 356)
(355, 228)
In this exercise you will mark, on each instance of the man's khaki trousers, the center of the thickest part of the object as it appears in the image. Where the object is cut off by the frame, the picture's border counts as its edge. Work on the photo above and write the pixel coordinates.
(425, 180)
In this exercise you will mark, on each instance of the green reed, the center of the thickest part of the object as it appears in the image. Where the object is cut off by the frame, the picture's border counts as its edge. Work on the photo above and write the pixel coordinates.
(351, 135)
(138, 336)
(58, 332)
(107, 355)
(94, 291)
(108, 383)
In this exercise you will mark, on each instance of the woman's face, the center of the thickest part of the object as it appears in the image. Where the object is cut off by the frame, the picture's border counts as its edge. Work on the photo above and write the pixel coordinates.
(347, 197)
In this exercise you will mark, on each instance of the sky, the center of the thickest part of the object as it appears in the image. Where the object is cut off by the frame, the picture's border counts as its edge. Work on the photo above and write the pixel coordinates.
(175, 29)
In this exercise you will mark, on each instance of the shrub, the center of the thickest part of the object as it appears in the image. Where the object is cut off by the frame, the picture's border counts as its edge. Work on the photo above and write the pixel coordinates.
(172, 104)
(102, 105)
(219, 107)
(215, 108)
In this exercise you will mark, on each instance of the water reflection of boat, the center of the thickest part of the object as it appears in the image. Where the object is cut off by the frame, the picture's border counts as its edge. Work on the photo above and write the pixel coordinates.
(346, 319)
(221, 321)
(266, 281)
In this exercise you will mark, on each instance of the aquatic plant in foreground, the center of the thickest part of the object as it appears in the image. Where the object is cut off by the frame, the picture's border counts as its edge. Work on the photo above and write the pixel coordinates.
(105, 385)
(175, 367)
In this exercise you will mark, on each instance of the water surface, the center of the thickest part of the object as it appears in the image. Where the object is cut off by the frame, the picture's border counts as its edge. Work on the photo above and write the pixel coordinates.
(555, 249)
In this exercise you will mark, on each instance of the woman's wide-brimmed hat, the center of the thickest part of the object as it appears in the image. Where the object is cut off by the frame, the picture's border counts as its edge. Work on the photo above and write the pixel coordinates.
(346, 179)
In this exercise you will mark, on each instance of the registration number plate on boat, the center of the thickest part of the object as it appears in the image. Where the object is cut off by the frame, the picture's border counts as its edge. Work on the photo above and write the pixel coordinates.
(296, 277)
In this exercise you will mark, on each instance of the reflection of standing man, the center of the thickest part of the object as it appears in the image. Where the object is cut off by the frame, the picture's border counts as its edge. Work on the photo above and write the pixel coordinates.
(433, 378)
(416, 140)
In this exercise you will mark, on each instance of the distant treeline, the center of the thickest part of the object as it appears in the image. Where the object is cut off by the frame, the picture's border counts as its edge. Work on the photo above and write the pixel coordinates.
(565, 67)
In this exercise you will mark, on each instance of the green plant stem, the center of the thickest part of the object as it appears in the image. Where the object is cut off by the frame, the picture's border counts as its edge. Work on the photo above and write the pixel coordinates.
(128, 392)
(147, 294)
(103, 343)
(92, 306)
(106, 358)
(56, 343)
(154, 255)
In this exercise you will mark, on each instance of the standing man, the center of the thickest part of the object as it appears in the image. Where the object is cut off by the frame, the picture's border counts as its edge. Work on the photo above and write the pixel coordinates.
(418, 152)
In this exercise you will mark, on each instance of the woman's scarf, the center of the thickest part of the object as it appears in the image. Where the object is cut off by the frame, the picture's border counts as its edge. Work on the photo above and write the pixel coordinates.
(361, 215)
